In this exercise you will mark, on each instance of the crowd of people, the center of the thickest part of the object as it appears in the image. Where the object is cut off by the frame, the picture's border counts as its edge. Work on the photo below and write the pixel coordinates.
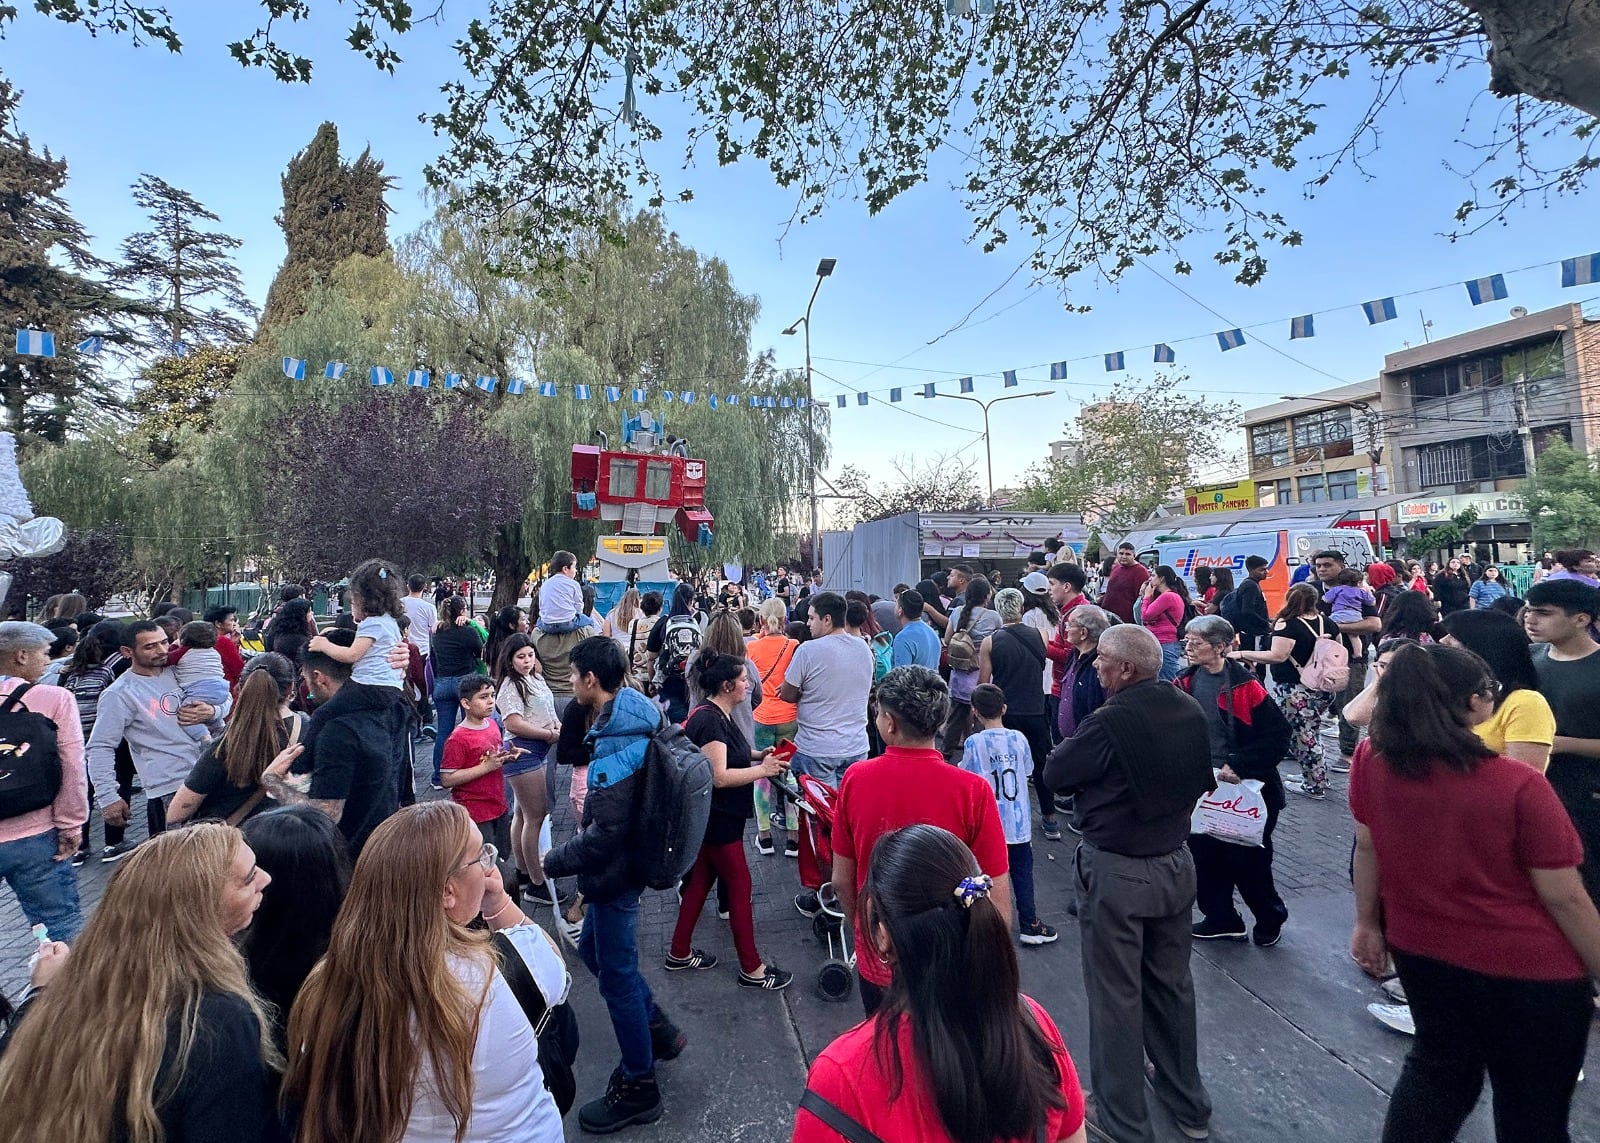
(287, 864)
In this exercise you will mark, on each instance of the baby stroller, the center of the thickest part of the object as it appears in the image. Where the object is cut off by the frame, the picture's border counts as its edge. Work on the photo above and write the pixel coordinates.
(815, 801)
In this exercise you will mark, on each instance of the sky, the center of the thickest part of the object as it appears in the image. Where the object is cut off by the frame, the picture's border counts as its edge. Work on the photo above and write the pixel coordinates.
(903, 278)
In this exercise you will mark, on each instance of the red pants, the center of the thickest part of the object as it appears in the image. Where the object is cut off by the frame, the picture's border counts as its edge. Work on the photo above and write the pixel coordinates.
(726, 862)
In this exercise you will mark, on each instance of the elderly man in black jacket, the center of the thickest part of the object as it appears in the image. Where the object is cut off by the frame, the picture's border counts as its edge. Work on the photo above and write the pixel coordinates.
(1249, 737)
(1135, 767)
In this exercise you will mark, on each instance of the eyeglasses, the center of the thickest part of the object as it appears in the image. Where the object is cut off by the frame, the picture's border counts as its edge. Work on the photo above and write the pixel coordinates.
(1197, 643)
(487, 856)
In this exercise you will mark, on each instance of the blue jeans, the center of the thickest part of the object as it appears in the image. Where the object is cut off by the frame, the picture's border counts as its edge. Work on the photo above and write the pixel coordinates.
(1020, 858)
(447, 712)
(46, 889)
(1171, 661)
(609, 947)
(828, 770)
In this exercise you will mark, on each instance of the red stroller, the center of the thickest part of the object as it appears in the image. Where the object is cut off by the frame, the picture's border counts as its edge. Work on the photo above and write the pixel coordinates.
(815, 800)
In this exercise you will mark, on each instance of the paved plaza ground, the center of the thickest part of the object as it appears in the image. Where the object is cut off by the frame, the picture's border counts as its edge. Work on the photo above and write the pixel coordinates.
(1287, 1048)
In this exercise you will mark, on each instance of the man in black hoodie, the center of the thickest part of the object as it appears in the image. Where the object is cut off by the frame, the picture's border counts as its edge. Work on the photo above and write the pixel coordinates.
(346, 750)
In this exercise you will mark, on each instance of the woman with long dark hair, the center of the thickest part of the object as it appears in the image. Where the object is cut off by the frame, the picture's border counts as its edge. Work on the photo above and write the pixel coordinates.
(456, 650)
(93, 668)
(1466, 872)
(1223, 586)
(225, 784)
(1411, 615)
(950, 1055)
(1522, 725)
(528, 712)
(291, 626)
(508, 621)
(1166, 608)
(1300, 623)
(1451, 588)
(681, 616)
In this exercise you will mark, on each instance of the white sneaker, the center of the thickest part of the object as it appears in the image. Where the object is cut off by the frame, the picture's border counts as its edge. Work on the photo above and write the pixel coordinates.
(1395, 1016)
(1394, 990)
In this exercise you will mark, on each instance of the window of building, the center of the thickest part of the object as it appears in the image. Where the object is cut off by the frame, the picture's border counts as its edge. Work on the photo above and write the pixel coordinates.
(1274, 493)
(1537, 361)
(1323, 429)
(1328, 486)
(1471, 460)
(658, 480)
(1269, 444)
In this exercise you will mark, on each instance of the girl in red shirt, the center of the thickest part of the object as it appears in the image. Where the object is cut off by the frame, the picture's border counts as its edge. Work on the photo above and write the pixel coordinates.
(956, 1053)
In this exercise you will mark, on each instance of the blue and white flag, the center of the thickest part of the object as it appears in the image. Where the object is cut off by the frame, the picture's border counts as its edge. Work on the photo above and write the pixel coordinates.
(334, 370)
(418, 379)
(840, 400)
(638, 396)
(179, 349)
(486, 383)
(1010, 378)
(928, 390)
(713, 400)
(772, 402)
(894, 394)
(92, 345)
(802, 402)
(613, 394)
(36, 343)
(581, 392)
(686, 397)
(1230, 339)
(1580, 271)
(294, 369)
(733, 399)
(1164, 354)
(668, 396)
(1058, 371)
(966, 384)
(1114, 362)
(862, 398)
(452, 380)
(516, 386)
(1490, 289)
(1302, 327)
(381, 376)
(785, 402)
(1378, 311)
(547, 388)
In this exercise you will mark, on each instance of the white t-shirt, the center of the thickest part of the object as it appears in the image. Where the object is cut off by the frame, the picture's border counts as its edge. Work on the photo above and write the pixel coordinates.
(540, 709)
(373, 667)
(833, 675)
(1040, 622)
(509, 1100)
(560, 599)
(424, 618)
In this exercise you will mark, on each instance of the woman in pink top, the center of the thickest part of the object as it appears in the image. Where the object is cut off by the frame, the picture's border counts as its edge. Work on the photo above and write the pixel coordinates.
(1166, 605)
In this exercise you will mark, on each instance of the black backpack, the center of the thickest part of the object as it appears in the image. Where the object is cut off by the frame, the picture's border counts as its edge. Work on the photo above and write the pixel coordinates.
(680, 639)
(30, 763)
(1228, 608)
(675, 806)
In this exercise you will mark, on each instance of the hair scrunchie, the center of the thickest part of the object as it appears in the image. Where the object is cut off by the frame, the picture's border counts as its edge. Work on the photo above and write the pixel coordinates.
(969, 889)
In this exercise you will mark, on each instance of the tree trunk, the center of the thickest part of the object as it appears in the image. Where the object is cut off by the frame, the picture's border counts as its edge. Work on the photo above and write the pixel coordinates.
(512, 566)
(1545, 49)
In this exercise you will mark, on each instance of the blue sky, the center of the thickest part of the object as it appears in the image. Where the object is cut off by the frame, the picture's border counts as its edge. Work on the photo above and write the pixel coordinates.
(223, 133)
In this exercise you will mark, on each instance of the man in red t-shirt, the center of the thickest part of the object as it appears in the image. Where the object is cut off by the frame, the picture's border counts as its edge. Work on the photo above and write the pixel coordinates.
(910, 783)
(1123, 584)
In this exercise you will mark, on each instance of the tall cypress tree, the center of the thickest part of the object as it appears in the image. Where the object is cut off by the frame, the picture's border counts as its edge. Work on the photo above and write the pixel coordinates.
(331, 210)
(187, 274)
(50, 280)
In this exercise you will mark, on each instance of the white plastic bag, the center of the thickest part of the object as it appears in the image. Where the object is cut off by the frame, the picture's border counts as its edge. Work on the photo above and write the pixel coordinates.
(1234, 812)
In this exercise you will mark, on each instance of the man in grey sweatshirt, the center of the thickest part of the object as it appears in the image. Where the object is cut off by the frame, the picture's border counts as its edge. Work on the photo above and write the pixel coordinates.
(146, 707)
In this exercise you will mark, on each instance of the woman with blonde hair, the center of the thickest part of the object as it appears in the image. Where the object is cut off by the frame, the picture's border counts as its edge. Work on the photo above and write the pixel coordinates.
(442, 1050)
(189, 1054)
(621, 619)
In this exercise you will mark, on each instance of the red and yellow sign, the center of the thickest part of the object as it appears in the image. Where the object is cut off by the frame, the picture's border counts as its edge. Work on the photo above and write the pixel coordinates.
(1219, 497)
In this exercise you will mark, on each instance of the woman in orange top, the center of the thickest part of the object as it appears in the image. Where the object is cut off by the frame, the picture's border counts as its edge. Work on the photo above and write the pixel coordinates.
(775, 719)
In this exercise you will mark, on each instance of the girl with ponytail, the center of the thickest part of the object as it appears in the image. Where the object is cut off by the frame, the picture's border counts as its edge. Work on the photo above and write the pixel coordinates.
(955, 1053)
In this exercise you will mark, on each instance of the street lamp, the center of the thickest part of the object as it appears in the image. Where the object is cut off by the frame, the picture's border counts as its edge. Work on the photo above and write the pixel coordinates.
(824, 269)
(988, 449)
(227, 576)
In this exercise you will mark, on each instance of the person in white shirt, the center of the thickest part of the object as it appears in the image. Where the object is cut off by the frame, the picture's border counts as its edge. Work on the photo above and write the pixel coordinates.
(829, 677)
(424, 616)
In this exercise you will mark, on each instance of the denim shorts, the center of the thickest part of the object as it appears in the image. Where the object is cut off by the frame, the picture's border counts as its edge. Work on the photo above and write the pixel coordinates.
(529, 762)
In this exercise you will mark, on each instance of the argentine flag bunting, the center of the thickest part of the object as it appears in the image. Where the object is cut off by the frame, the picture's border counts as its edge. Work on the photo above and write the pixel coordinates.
(581, 392)
(334, 370)
(1230, 339)
(1058, 371)
(1302, 327)
(515, 386)
(638, 396)
(547, 388)
(785, 402)
(772, 403)
(731, 399)
(668, 396)
(418, 379)
(1114, 362)
(713, 400)
(36, 343)
(862, 398)
(686, 398)
(381, 376)
(894, 394)
(840, 400)
(1490, 289)
(928, 390)
(294, 369)
(966, 384)
(91, 345)
(802, 402)
(1378, 311)
(452, 380)
(1010, 378)
(613, 394)
(487, 383)
(1164, 354)
(1580, 271)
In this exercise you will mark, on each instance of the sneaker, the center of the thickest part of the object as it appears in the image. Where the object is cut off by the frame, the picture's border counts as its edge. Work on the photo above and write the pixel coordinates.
(627, 1102)
(774, 980)
(1268, 933)
(117, 852)
(1209, 930)
(695, 959)
(79, 858)
(429, 733)
(764, 844)
(1063, 803)
(1396, 1016)
(1038, 933)
(722, 914)
(1342, 766)
(1395, 991)
(791, 848)
(666, 1041)
(1052, 831)
(540, 894)
(808, 903)
(570, 932)
(435, 785)
(1298, 786)
(1193, 1131)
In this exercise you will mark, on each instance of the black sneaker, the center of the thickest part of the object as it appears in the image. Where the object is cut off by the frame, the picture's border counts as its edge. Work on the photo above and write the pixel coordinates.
(666, 1041)
(540, 894)
(79, 857)
(775, 979)
(1268, 932)
(791, 848)
(1209, 930)
(697, 958)
(764, 844)
(808, 903)
(117, 852)
(627, 1102)
(1038, 933)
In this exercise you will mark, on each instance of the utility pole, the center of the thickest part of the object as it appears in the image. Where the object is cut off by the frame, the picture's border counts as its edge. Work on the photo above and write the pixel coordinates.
(824, 269)
(988, 448)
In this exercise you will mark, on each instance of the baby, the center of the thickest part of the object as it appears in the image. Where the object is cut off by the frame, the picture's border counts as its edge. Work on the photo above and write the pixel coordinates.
(1345, 601)
(561, 597)
(199, 672)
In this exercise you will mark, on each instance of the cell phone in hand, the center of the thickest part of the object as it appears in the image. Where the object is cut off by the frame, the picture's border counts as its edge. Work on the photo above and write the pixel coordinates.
(785, 749)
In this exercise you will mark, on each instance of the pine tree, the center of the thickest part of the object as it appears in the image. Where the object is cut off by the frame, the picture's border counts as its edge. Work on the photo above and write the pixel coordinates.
(331, 210)
(187, 273)
(49, 281)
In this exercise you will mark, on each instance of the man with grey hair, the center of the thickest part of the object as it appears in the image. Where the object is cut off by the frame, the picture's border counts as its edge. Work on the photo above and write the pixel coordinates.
(1135, 767)
(39, 832)
(910, 783)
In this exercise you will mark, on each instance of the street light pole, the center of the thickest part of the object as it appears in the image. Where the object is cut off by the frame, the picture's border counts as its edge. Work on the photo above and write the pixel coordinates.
(824, 269)
(988, 447)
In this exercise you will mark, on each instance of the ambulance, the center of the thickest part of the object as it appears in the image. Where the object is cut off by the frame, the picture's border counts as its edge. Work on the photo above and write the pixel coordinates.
(1284, 549)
